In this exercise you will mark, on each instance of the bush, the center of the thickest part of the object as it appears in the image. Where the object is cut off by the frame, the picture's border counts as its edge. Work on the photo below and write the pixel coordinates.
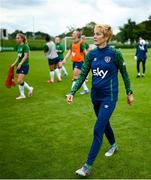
(10, 45)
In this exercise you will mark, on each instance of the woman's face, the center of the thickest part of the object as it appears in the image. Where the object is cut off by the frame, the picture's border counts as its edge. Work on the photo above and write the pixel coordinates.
(57, 40)
(74, 35)
(19, 40)
(99, 38)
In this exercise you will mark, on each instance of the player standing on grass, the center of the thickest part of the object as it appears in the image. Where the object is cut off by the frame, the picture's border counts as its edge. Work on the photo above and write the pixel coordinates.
(60, 50)
(77, 51)
(22, 64)
(140, 56)
(104, 62)
(53, 59)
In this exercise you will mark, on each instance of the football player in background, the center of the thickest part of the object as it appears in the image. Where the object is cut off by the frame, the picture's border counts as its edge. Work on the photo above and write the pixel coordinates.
(22, 64)
(60, 51)
(141, 56)
(77, 52)
(53, 59)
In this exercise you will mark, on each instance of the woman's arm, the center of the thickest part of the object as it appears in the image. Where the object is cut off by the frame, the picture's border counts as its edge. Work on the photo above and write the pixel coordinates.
(15, 62)
(23, 60)
(122, 67)
(66, 56)
(84, 72)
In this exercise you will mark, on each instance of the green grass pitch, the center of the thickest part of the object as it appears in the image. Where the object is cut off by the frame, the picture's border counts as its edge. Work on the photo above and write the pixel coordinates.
(44, 137)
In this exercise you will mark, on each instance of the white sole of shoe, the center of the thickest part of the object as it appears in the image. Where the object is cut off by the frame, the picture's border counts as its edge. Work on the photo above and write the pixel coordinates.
(18, 98)
(82, 175)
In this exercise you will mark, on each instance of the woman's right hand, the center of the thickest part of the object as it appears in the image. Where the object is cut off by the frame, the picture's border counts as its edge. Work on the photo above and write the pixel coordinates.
(130, 99)
(69, 99)
(12, 65)
(63, 62)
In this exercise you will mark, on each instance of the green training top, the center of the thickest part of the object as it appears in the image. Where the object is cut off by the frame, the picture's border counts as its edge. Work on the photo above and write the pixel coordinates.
(86, 46)
(21, 50)
(60, 50)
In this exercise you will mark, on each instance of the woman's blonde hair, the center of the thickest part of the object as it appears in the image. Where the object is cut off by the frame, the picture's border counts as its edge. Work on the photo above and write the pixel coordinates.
(23, 37)
(106, 30)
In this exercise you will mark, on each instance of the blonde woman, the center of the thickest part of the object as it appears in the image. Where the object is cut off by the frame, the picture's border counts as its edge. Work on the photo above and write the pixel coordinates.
(77, 52)
(22, 65)
(104, 62)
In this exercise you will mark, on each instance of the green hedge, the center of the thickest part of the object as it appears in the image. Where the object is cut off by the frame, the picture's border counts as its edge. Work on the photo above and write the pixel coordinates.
(9, 45)
(37, 44)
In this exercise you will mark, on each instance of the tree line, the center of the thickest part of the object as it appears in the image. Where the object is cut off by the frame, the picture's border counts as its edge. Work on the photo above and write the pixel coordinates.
(130, 31)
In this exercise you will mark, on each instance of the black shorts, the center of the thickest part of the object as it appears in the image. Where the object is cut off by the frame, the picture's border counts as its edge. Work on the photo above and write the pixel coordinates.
(77, 65)
(53, 61)
(23, 70)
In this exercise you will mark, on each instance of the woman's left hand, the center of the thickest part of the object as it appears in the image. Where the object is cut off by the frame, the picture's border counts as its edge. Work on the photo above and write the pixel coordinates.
(130, 99)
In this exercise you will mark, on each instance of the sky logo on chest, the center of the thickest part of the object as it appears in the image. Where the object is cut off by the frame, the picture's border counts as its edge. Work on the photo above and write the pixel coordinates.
(99, 72)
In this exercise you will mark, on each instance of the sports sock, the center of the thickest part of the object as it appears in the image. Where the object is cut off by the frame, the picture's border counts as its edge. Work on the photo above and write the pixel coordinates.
(27, 86)
(64, 70)
(114, 145)
(52, 75)
(88, 166)
(58, 73)
(21, 89)
(85, 86)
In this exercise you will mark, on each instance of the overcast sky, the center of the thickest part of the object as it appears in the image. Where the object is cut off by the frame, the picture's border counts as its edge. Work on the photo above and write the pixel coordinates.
(54, 16)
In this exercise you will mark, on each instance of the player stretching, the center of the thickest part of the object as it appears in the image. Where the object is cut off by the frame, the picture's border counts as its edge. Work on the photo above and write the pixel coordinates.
(77, 51)
(104, 62)
(22, 64)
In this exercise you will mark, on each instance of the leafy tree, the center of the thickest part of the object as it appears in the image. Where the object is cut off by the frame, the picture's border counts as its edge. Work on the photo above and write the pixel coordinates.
(127, 31)
(13, 35)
